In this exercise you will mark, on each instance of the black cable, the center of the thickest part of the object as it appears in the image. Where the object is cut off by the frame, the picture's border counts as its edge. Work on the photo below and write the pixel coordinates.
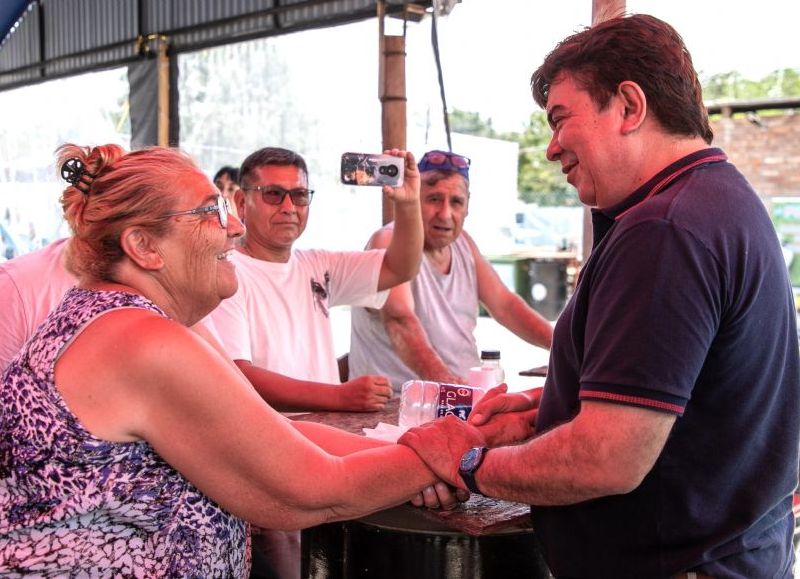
(435, 44)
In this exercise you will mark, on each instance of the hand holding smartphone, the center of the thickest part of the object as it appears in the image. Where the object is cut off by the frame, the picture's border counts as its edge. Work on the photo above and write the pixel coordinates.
(372, 169)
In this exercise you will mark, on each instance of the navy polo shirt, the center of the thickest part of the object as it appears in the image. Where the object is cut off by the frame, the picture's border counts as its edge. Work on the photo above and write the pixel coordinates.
(684, 306)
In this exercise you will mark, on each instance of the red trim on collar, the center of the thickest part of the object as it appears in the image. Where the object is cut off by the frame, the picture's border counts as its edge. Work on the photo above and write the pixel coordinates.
(658, 187)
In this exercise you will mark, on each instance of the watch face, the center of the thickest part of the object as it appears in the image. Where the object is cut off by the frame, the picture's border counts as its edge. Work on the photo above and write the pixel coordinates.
(471, 459)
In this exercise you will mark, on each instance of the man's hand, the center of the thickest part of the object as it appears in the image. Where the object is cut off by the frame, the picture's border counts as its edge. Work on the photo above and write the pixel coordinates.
(440, 496)
(506, 418)
(365, 394)
(508, 428)
(440, 445)
(498, 401)
(409, 190)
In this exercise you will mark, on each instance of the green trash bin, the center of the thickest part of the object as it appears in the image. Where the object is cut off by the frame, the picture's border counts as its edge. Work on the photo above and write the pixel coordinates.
(547, 286)
(544, 282)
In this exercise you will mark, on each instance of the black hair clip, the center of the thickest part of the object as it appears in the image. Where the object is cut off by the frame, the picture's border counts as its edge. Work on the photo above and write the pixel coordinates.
(74, 172)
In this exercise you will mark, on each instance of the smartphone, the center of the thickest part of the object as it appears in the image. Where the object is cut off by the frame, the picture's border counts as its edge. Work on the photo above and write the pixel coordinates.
(372, 169)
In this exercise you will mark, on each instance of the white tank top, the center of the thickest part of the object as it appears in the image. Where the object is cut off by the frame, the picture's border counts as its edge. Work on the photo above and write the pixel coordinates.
(447, 308)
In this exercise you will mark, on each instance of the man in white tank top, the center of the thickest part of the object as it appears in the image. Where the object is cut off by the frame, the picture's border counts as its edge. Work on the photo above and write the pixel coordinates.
(426, 327)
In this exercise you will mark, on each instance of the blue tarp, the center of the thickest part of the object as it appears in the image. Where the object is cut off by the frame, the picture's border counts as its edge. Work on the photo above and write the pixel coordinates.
(10, 11)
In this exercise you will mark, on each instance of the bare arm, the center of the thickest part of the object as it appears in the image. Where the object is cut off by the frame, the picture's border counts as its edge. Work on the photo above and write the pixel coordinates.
(405, 332)
(368, 393)
(334, 441)
(508, 308)
(606, 450)
(409, 340)
(341, 443)
(403, 254)
(362, 394)
(211, 426)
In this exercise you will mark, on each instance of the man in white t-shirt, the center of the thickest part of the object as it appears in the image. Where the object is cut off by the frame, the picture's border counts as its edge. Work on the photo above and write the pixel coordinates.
(277, 322)
(31, 286)
(277, 325)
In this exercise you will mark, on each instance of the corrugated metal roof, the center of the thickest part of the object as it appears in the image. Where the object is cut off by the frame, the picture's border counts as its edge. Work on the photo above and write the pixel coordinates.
(20, 48)
(61, 37)
(99, 32)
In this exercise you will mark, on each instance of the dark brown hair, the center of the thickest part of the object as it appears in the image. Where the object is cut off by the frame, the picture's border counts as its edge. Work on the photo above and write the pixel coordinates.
(270, 156)
(231, 172)
(638, 48)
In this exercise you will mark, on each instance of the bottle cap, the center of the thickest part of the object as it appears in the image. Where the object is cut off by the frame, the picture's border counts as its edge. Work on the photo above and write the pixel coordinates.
(490, 354)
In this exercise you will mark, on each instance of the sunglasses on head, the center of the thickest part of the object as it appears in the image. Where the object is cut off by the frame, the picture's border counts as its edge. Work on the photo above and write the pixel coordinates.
(443, 158)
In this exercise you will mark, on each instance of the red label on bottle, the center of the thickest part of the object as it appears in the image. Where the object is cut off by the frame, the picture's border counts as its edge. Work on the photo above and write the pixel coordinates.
(455, 400)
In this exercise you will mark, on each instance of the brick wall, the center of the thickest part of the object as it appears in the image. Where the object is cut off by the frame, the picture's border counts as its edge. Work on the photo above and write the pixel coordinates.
(767, 153)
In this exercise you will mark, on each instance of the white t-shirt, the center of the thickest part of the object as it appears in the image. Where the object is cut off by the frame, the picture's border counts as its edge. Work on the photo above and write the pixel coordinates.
(278, 318)
(30, 287)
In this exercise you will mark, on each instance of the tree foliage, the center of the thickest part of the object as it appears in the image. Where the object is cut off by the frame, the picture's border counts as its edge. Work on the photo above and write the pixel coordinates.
(731, 86)
(541, 181)
(468, 123)
(247, 104)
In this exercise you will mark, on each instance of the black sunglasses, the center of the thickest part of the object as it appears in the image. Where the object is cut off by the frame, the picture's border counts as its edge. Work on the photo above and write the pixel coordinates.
(274, 195)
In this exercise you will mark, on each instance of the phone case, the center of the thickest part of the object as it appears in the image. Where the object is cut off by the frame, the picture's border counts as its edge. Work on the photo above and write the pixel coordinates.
(372, 169)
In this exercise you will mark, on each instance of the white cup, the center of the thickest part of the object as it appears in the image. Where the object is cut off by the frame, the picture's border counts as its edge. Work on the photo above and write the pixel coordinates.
(483, 378)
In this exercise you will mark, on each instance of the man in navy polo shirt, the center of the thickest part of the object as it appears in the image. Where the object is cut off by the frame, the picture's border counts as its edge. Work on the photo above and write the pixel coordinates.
(666, 437)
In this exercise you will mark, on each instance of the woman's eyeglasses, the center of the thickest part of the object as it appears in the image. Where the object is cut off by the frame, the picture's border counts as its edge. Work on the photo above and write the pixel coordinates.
(221, 208)
(274, 195)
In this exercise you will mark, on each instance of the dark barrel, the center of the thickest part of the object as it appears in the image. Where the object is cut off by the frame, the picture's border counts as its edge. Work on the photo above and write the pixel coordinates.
(401, 543)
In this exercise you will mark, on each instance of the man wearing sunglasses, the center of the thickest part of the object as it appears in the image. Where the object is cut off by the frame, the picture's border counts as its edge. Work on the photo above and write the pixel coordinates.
(278, 320)
(426, 328)
(276, 327)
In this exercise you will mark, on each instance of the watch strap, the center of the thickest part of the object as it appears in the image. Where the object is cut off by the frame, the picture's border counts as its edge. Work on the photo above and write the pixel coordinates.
(468, 474)
(469, 480)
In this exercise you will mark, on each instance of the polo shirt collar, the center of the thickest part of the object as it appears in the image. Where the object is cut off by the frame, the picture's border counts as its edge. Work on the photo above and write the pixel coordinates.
(603, 219)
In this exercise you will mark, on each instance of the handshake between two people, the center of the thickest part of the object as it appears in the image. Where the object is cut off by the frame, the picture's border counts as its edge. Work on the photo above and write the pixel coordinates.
(500, 418)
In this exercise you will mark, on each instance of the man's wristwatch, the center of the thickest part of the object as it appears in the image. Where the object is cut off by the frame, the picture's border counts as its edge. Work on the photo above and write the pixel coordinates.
(470, 462)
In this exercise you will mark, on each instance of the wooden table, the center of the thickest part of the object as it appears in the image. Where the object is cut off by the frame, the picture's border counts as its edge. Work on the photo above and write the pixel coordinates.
(478, 516)
(483, 538)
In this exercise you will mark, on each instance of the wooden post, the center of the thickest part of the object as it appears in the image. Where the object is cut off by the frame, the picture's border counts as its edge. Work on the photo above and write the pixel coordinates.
(163, 92)
(607, 9)
(392, 94)
(393, 102)
(601, 10)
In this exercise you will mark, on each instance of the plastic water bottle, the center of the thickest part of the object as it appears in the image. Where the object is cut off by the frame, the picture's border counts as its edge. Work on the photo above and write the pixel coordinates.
(491, 359)
(422, 401)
